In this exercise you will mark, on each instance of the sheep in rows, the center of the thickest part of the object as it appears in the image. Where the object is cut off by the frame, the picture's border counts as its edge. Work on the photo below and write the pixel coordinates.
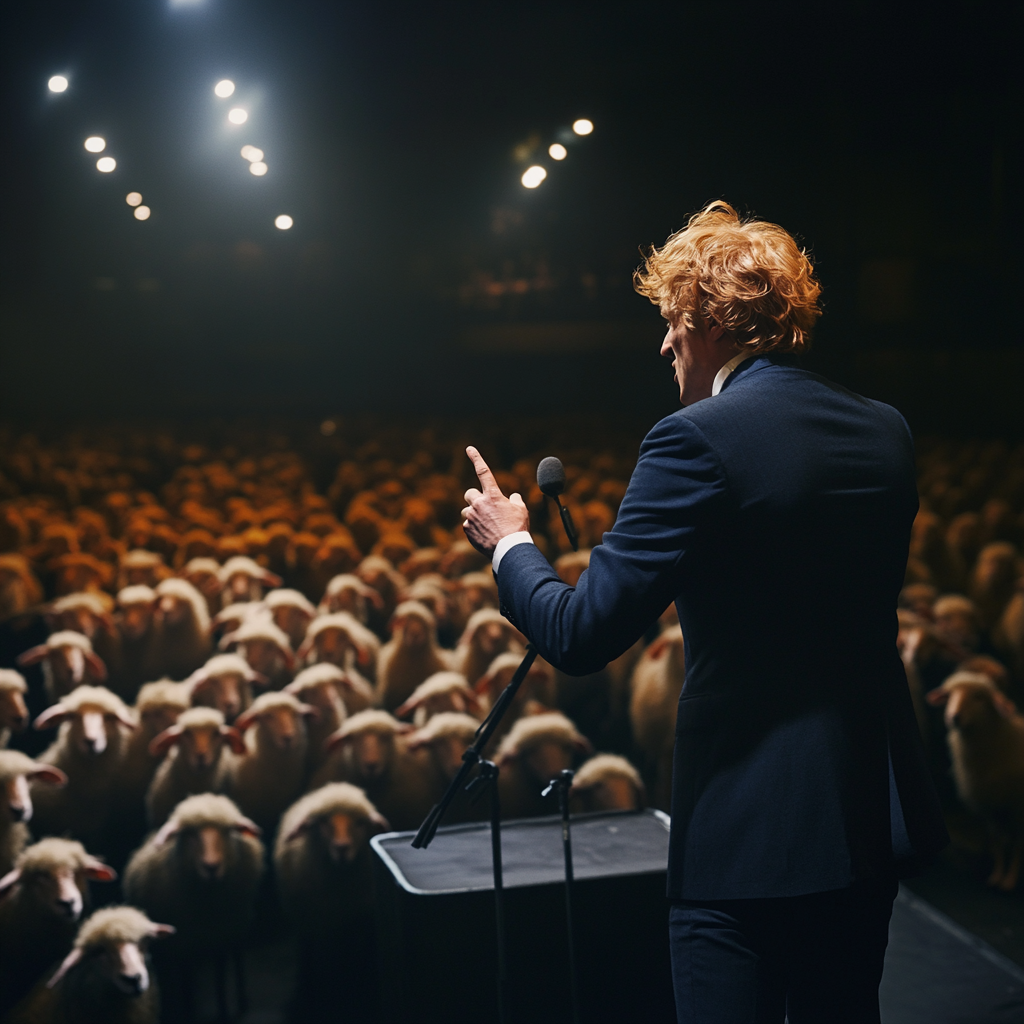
(340, 639)
(535, 751)
(443, 691)
(140, 648)
(607, 782)
(225, 683)
(17, 773)
(265, 648)
(291, 612)
(68, 661)
(13, 710)
(321, 687)
(445, 738)
(105, 977)
(194, 760)
(90, 749)
(487, 634)
(41, 903)
(185, 633)
(410, 656)
(986, 745)
(370, 751)
(242, 579)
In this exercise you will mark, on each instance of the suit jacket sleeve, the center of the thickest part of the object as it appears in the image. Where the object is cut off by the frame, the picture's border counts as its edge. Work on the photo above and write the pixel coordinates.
(677, 487)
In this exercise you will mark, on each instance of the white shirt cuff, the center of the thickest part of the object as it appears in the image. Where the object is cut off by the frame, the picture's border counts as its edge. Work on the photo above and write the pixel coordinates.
(503, 545)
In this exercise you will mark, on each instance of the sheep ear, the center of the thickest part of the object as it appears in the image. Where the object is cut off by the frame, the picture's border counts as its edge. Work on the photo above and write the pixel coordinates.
(159, 745)
(257, 677)
(472, 702)
(404, 709)
(657, 648)
(374, 597)
(235, 740)
(309, 711)
(289, 658)
(582, 745)
(33, 655)
(95, 663)
(47, 773)
(69, 961)
(405, 727)
(51, 717)
(168, 830)
(125, 718)
(161, 931)
(227, 640)
(937, 697)
(244, 720)
(482, 685)
(9, 880)
(197, 681)
(97, 871)
(380, 822)
(334, 741)
(415, 741)
(303, 826)
(304, 648)
(248, 827)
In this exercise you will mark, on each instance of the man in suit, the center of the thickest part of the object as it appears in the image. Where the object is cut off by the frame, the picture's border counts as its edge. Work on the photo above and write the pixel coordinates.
(775, 510)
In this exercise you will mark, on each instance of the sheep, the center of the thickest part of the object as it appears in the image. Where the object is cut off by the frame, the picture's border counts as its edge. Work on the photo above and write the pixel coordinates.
(17, 771)
(339, 638)
(13, 710)
(68, 661)
(957, 622)
(185, 633)
(90, 749)
(141, 568)
(1009, 634)
(321, 687)
(443, 691)
(431, 590)
(410, 656)
(106, 976)
(993, 581)
(88, 613)
(141, 640)
(265, 648)
(445, 737)
(381, 575)
(535, 695)
(986, 744)
(19, 588)
(268, 776)
(535, 751)
(242, 579)
(204, 575)
(607, 782)
(233, 616)
(474, 591)
(348, 593)
(487, 634)
(193, 760)
(225, 683)
(41, 902)
(654, 697)
(292, 612)
(369, 751)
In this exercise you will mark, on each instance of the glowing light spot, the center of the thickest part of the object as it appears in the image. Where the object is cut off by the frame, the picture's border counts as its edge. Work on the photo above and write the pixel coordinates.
(583, 126)
(283, 222)
(142, 212)
(95, 144)
(57, 84)
(236, 115)
(106, 164)
(252, 154)
(533, 176)
(557, 151)
(133, 198)
(224, 88)
(258, 167)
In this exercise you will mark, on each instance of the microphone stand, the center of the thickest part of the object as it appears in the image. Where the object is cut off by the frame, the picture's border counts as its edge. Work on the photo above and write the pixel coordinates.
(562, 784)
(488, 777)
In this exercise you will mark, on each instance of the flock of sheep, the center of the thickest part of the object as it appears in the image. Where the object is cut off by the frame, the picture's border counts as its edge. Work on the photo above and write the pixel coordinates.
(249, 678)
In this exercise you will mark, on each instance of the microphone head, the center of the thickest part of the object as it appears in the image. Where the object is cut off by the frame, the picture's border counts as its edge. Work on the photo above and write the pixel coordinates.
(551, 476)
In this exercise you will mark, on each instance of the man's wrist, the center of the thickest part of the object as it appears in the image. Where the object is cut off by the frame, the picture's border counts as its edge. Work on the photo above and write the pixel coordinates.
(507, 542)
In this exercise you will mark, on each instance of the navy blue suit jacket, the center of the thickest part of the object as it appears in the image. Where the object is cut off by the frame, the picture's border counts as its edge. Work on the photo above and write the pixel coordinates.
(777, 516)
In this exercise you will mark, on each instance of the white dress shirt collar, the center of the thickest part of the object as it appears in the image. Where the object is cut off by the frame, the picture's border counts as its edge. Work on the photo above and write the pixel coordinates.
(723, 374)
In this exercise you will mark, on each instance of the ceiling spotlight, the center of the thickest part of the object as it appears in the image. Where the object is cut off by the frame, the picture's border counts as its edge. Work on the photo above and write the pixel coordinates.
(258, 167)
(106, 164)
(133, 198)
(236, 115)
(557, 151)
(224, 88)
(142, 212)
(583, 126)
(252, 154)
(57, 84)
(533, 176)
(283, 222)
(94, 144)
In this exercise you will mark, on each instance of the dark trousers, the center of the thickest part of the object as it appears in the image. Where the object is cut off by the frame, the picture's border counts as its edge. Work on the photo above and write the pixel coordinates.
(815, 959)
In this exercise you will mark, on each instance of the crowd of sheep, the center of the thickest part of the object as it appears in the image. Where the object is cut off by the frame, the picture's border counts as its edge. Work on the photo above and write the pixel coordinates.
(251, 675)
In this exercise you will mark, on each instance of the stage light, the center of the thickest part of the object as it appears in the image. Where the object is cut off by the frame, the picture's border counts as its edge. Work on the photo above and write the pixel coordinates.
(236, 115)
(252, 154)
(106, 164)
(533, 176)
(57, 84)
(142, 212)
(224, 88)
(557, 151)
(583, 126)
(94, 144)
(283, 222)
(133, 198)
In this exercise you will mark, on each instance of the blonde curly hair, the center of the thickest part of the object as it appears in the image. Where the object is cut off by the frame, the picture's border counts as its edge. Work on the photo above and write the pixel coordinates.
(749, 277)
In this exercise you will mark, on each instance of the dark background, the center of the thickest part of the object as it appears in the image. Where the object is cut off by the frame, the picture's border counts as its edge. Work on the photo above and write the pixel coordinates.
(420, 276)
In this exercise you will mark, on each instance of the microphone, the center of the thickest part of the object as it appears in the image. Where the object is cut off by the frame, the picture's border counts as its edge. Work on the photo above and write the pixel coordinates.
(551, 481)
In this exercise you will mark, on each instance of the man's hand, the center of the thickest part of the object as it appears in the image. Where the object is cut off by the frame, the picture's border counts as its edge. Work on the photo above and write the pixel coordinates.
(489, 515)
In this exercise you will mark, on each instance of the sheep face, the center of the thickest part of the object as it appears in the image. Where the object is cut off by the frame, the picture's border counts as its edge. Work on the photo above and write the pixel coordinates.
(174, 610)
(228, 693)
(448, 752)
(58, 891)
(67, 663)
(332, 646)
(17, 799)
(78, 620)
(344, 835)
(492, 638)
(282, 726)
(958, 625)
(240, 586)
(136, 620)
(201, 747)
(93, 730)
(158, 717)
(372, 754)
(124, 965)
(263, 655)
(206, 582)
(970, 708)
(205, 850)
(13, 711)
(292, 621)
(413, 632)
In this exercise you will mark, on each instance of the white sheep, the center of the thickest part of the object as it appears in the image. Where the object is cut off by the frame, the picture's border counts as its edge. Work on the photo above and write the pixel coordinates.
(194, 760)
(204, 575)
(535, 695)
(13, 710)
(348, 593)
(17, 772)
(90, 749)
(41, 903)
(445, 737)
(291, 612)
(410, 656)
(321, 687)
(244, 580)
(68, 661)
(340, 639)
(443, 691)
(986, 745)
(265, 648)
(185, 633)
(89, 613)
(607, 782)
(141, 642)
(225, 683)
(106, 976)
(487, 634)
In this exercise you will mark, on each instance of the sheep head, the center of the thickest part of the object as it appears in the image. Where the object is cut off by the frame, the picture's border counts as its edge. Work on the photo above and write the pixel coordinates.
(70, 656)
(200, 735)
(13, 709)
(972, 702)
(339, 816)
(369, 738)
(544, 745)
(95, 715)
(280, 716)
(17, 770)
(203, 828)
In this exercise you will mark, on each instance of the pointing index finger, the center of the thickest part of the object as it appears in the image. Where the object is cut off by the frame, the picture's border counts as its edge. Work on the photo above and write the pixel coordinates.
(483, 472)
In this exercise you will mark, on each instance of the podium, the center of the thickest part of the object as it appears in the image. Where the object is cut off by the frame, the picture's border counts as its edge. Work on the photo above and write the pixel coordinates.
(434, 912)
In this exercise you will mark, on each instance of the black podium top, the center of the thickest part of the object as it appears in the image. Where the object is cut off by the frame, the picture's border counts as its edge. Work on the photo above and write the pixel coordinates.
(459, 859)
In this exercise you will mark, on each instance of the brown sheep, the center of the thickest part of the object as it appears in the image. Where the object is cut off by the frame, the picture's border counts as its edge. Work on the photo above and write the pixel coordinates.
(443, 691)
(19, 588)
(185, 628)
(986, 745)
(141, 568)
(346, 592)
(17, 772)
(446, 737)
(141, 643)
(225, 683)
(410, 656)
(13, 710)
(487, 634)
(204, 575)
(381, 575)
(607, 782)
(535, 751)
(291, 612)
(242, 579)
(1009, 634)
(265, 648)
(994, 580)
(88, 613)
(340, 639)
(68, 662)
(957, 623)
(322, 687)
(473, 591)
